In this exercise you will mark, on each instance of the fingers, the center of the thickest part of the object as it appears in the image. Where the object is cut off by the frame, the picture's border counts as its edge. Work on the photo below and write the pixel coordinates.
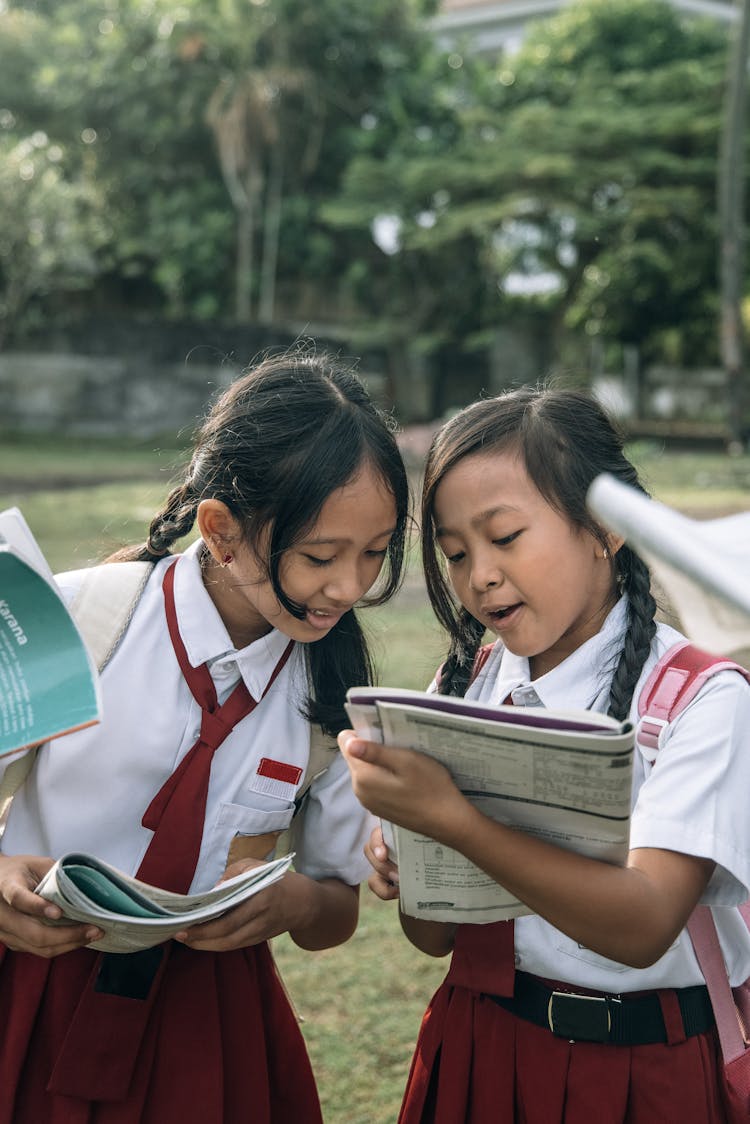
(29, 923)
(384, 880)
(383, 888)
(376, 844)
(250, 922)
(356, 749)
(23, 933)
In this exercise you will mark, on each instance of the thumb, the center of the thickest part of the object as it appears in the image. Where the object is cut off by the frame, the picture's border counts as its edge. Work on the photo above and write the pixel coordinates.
(360, 750)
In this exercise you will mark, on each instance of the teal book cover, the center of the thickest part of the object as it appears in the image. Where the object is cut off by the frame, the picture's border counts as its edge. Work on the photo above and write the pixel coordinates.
(48, 684)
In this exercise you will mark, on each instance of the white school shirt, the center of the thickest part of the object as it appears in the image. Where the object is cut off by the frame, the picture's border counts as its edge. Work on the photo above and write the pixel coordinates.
(88, 790)
(694, 801)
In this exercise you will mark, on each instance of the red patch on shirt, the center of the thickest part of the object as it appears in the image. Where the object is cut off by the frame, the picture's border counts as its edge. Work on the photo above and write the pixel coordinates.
(279, 771)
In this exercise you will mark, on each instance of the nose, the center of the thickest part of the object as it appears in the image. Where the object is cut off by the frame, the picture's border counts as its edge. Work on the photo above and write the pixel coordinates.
(485, 573)
(346, 586)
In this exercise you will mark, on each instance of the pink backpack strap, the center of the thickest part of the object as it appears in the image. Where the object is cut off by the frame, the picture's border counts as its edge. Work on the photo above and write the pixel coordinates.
(480, 659)
(673, 683)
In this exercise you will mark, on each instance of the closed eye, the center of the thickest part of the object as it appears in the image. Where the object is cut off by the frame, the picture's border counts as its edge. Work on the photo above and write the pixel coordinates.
(319, 561)
(507, 539)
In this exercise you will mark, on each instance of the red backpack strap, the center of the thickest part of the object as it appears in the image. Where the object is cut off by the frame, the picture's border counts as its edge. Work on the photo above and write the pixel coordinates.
(673, 683)
(480, 659)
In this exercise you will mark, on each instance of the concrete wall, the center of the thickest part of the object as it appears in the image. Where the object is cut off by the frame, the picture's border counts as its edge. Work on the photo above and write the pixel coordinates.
(101, 396)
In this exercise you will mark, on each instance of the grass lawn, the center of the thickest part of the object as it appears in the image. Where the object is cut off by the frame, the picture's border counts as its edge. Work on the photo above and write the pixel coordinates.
(361, 1003)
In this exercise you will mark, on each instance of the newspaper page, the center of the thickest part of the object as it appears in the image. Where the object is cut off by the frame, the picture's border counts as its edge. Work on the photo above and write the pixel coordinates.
(135, 915)
(565, 778)
(701, 564)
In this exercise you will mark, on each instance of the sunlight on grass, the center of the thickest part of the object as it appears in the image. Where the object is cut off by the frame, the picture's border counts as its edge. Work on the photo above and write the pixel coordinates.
(703, 484)
(362, 1004)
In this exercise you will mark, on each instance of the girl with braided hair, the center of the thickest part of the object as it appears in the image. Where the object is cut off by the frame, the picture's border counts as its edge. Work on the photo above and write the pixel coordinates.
(592, 1007)
(236, 659)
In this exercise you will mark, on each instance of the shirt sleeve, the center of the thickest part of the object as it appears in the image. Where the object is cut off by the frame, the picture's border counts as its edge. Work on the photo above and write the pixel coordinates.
(333, 828)
(694, 799)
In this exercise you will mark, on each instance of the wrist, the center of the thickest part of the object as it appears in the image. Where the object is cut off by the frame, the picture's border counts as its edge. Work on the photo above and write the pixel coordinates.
(460, 826)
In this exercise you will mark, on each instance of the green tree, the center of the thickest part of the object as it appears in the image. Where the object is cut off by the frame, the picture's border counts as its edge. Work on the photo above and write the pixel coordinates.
(574, 180)
(164, 106)
(51, 229)
(731, 185)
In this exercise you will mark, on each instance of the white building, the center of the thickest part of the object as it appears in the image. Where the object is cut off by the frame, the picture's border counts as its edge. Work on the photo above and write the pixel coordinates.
(494, 25)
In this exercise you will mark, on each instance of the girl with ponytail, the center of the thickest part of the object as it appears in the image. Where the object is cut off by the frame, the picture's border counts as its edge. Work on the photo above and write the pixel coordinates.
(592, 1007)
(234, 665)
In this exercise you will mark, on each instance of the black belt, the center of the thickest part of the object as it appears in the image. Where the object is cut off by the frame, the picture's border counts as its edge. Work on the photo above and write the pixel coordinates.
(619, 1019)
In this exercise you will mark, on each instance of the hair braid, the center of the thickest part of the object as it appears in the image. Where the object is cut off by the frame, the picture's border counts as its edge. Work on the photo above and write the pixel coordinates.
(636, 582)
(455, 674)
(175, 520)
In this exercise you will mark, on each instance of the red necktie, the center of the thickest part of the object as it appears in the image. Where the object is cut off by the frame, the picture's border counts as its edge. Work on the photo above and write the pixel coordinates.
(177, 812)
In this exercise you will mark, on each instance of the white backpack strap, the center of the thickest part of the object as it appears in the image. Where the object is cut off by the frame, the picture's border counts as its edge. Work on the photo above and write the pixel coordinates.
(13, 777)
(105, 603)
(323, 750)
(102, 609)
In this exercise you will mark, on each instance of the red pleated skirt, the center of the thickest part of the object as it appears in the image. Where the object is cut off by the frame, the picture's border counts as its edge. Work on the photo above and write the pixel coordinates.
(476, 1063)
(221, 1045)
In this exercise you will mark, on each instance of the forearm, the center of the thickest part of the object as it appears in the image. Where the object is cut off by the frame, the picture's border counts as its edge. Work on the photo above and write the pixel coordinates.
(328, 912)
(623, 913)
(435, 938)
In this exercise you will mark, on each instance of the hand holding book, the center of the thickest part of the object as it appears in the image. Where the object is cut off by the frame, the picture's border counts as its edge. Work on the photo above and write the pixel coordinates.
(135, 915)
(564, 777)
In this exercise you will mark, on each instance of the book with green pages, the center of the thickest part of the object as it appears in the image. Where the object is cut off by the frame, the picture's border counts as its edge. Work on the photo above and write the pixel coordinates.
(135, 915)
(49, 684)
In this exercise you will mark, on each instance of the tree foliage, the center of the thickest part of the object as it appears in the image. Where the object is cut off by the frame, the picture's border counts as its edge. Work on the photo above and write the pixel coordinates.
(131, 88)
(256, 158)
(575, 178)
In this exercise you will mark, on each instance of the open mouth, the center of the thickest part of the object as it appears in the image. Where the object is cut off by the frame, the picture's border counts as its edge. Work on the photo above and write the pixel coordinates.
(504, 614)
(323, 618)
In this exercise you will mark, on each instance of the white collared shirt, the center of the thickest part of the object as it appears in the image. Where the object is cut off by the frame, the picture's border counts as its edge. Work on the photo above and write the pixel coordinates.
(693, 801)
(89, 790)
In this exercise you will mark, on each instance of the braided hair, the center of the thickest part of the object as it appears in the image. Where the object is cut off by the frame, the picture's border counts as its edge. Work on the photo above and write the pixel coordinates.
(565, 439)
(274, 446)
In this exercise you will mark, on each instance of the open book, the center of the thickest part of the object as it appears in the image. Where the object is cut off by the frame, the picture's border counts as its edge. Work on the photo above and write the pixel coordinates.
(702, 565)
(562, 776)
(48, 681)
(134, 915)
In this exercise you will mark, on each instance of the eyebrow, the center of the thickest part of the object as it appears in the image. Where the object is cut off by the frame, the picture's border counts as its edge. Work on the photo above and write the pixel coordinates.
(481, 517)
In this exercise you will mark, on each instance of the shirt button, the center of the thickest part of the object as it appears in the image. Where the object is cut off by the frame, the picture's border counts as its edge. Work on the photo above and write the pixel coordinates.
(517, 960)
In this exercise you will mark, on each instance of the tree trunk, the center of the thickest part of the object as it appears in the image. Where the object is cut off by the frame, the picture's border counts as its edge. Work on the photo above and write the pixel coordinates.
(731, 188)
(244, 265)
(271, 230)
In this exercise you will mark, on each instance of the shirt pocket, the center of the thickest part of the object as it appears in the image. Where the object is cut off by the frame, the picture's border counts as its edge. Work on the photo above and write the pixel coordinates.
(244, 832)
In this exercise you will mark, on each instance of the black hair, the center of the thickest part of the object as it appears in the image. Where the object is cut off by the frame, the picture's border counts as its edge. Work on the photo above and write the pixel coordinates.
(566, 439)
(275, 445)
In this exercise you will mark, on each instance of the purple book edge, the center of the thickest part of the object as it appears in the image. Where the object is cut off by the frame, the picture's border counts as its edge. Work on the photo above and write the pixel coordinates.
(514, 715)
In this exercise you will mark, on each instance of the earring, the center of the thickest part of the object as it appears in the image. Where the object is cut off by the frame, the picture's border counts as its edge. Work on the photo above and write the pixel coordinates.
(226, 560)
(605, 554)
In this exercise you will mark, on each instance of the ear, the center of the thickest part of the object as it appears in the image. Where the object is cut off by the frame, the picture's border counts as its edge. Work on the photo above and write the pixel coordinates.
(218, 527)
(614, 542)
